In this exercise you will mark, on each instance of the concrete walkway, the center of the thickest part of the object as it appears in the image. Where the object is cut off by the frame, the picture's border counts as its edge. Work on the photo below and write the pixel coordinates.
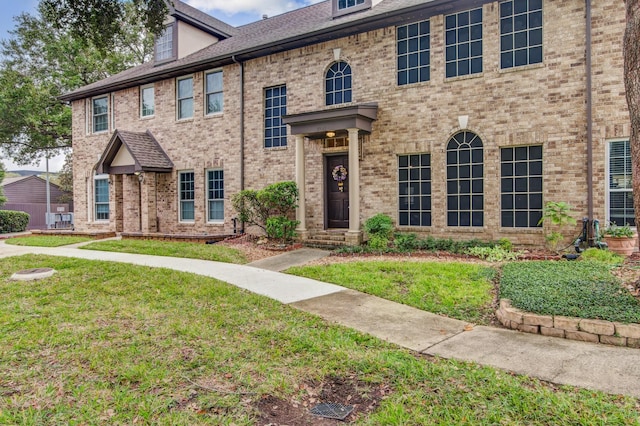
(601, 367)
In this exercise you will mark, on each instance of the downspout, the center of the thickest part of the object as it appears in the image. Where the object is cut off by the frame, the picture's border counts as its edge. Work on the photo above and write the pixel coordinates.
(589, 107)
(241, 128)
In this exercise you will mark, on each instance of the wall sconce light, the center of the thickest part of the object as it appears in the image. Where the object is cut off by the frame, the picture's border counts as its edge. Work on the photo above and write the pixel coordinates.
(140, 176)
(331, 134)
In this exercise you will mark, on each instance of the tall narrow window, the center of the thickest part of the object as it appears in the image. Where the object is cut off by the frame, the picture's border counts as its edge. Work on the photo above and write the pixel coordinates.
(521, 186)
(621, 209)
(215, 195)
(414, 180)
(413, 45)
(147, 101)
(463, 35)
(101, 198)
(520, 33)
(275, 106)
(185, 98)
(100, 114)
(338, 84)
(164, 45)
(465, 180)
(213, 92)
(187, 196)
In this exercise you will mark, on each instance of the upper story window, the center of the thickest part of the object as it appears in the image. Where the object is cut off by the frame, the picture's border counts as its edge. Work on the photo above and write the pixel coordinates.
(213, 92)
(165, 44)
(414, 49)
(147, 101)
(343, 7)
(338, 84)
(100, 114)
(185, 97)
(275, 106)
(520, 33)
(620, 203)
(463, 36)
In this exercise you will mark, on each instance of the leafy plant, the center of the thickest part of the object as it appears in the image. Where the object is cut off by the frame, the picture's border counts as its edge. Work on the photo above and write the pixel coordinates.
(616, 231)
(278, 200)
(378, 242)
(406, 242)
(604, 256)
(379, 228)
(12, 221)
(558, 214)
(493, 254)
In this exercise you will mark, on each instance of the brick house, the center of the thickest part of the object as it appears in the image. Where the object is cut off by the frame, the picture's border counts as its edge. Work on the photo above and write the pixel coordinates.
(456, 118)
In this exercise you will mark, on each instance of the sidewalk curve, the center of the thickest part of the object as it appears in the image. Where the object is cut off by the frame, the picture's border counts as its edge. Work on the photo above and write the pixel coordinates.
(607, 368)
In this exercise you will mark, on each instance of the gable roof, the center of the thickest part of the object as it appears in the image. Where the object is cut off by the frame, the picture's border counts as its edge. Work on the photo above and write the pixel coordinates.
(147, 154)
(298, 28)
(201, 20)
(20, 179)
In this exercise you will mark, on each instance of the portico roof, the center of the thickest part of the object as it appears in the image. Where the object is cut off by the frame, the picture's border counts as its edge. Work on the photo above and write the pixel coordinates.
(132, 152)
(317, 123)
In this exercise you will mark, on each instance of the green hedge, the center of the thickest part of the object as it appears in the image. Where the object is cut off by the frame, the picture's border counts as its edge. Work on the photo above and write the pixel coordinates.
(11, 221)
(582, 289)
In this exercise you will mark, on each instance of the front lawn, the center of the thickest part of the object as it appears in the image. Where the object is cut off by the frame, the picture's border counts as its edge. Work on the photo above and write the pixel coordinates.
(215, 252)
(582, 289)
(457, 290)
(105, 343)
(47, 240)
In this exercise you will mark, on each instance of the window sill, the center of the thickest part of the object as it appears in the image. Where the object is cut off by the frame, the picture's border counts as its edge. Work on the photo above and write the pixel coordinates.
(463, 77)
(185, 120)
(466, 229)
(521, 68)
(191, 222)
(147, 117)
(215, 115)
(217, 224)
(521, 230)
(276, 148)
(412, 85)
(103, 132)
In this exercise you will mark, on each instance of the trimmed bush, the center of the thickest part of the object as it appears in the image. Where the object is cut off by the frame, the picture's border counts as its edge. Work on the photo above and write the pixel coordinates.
(582, 289)
(11, 221)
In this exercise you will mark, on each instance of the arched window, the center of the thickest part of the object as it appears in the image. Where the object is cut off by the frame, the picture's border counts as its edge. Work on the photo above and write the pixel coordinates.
(465, 180)
(338, 84)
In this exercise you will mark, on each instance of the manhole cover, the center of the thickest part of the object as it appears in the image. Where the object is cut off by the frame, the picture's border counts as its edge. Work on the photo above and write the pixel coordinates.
(332, 411)
(33, 274)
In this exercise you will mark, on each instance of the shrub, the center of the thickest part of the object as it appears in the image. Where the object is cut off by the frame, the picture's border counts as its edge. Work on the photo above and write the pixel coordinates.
(276, 201)
(406, 242)
(380, 225)
(11, 221)
(493, 254)
(378, 242)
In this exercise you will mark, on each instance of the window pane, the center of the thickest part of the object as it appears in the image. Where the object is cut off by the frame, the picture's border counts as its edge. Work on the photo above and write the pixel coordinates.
(465, 177)
(521, 196)
(275, 106)
(463, 41)
(414, 187)
(521, 32)
(413, 50)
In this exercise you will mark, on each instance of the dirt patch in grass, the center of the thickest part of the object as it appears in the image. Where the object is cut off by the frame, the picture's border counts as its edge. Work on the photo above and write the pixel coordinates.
(363, 397)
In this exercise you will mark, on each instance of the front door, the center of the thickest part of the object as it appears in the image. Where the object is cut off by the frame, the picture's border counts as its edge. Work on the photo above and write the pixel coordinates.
(337, 184)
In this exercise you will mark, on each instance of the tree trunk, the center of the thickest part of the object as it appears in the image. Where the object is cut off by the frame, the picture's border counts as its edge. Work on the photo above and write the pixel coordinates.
(631, 48)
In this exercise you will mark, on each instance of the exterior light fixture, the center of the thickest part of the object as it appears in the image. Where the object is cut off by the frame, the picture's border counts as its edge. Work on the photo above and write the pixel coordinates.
(331, 134)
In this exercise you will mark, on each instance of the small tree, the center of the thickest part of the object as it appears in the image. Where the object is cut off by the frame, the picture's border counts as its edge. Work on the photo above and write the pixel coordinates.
(271, 209)
(555, 214)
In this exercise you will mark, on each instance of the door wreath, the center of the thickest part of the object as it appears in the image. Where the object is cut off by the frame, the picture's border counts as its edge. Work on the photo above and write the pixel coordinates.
(339, 174)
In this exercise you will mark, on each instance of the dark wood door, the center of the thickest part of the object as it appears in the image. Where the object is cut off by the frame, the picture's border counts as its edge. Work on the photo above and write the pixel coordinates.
(337, 191)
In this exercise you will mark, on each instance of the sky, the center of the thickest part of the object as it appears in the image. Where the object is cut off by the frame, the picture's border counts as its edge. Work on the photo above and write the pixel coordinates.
(233, 12)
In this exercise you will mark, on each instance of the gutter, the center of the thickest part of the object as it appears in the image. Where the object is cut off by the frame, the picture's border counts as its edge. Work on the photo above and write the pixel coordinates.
(589, 106)
(345, 29)
(242, 141)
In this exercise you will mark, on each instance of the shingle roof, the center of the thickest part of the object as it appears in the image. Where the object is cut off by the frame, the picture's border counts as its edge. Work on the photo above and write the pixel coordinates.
(143, 147)
(304, 26)
(200, 18)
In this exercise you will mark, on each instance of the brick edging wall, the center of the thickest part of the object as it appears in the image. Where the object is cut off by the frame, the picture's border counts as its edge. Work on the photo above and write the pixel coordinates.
(585, 330)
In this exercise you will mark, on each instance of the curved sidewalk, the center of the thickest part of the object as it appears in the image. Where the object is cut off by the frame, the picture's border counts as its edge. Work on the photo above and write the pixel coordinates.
(606, 368)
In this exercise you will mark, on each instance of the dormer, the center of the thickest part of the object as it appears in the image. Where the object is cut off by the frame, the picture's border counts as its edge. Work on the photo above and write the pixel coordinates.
(186, 31)
(345, 7)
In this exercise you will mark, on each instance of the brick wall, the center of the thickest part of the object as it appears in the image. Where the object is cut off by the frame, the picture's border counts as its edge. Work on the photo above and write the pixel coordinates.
(540, 104)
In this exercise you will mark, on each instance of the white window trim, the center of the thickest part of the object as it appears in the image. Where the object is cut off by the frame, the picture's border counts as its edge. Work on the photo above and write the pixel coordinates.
(206, 174)
(607, 189)
(94, 216)
(193, 97)
(92, 115)
(205, 93)
(142, 89)
(180, 219)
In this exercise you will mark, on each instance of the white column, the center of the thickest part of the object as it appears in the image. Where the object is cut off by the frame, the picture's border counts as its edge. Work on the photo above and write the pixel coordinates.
(301, 179)
(354, 183)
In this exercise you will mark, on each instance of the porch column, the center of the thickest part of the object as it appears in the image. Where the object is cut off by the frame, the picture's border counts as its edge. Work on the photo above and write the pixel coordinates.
(301, 178)
(354, 236)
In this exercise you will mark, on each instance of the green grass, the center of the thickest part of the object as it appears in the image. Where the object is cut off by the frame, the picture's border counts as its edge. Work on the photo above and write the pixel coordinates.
(47, 240)
(583, 289)
(213, 252)
(104, 343)
(457, 290)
